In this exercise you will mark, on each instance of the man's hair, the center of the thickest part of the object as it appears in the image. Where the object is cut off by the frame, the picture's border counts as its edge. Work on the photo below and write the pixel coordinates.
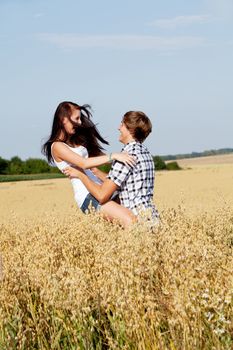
(138, 124)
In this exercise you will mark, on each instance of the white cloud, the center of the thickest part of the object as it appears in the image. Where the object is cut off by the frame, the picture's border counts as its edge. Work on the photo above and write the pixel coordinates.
(179, 21)
(122, 42)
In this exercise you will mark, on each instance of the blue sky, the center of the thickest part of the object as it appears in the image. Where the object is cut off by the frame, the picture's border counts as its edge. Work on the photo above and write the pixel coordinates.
(170, 59)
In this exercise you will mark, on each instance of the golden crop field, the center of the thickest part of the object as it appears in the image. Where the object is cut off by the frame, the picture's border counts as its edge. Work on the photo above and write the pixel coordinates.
(74, 281)
(209, 160)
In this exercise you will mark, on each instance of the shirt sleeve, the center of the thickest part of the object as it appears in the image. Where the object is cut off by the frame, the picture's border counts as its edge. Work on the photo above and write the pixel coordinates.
(119, 173)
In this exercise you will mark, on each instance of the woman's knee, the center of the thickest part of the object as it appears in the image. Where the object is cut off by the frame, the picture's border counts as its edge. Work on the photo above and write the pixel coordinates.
(129, 219)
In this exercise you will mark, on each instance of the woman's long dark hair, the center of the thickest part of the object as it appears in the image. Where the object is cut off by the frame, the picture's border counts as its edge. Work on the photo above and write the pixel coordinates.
(86, 134)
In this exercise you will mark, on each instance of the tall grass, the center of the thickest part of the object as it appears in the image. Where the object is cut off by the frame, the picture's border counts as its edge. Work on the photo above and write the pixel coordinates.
(29, 177)
(83, 283)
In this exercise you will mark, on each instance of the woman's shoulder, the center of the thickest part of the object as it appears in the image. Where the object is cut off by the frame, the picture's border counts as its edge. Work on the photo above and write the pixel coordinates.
(58, 144)
(57, 149)
(81, 150)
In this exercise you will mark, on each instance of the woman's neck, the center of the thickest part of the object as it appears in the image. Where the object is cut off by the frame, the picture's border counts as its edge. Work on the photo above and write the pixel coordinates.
(69, 142)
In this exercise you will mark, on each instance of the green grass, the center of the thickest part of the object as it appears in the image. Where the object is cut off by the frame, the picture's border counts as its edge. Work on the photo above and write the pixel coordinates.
(27, 177)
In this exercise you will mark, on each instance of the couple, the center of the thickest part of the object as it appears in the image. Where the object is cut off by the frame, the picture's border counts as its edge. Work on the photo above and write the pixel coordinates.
(74, 146)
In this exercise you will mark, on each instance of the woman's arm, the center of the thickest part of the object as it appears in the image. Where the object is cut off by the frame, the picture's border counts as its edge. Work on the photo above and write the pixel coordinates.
(62, 152)
(102, 192)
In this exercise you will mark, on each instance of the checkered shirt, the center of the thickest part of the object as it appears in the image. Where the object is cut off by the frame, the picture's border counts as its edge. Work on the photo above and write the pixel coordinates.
(136, 184)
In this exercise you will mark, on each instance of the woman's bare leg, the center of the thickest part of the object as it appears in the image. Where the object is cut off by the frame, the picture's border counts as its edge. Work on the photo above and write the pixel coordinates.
(113, 211)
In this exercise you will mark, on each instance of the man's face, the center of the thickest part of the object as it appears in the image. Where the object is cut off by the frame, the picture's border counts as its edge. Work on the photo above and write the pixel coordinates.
(124, 133)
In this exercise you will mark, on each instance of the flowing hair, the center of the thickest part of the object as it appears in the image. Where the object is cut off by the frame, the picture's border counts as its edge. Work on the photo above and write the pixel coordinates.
(86, 134)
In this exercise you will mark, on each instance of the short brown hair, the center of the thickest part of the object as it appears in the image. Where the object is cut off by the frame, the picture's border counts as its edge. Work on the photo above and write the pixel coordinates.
(138, 124)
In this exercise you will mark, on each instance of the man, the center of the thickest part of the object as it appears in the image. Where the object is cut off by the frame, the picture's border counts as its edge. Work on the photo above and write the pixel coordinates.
(135, 185)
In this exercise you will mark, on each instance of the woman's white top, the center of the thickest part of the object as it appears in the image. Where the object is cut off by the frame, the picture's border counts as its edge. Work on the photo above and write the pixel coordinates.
(80, 191)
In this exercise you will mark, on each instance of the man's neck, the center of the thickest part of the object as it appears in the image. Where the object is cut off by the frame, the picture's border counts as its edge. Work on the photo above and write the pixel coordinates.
(129, 140)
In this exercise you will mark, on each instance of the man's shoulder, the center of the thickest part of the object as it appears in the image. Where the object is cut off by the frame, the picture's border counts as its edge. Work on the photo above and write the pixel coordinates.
(136, 147)
(132, 146)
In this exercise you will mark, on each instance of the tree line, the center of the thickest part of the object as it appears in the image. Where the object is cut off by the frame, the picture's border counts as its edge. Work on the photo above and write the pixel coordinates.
(212, 152)
(17, 166)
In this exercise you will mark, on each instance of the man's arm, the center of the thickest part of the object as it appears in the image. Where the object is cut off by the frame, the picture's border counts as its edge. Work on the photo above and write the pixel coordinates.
(101, 192)
(99, 173)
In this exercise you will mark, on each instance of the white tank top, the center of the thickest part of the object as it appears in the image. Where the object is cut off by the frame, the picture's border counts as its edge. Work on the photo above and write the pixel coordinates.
(80, 191)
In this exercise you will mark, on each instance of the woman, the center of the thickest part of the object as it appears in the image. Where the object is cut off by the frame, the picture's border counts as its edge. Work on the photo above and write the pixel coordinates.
(73, 139)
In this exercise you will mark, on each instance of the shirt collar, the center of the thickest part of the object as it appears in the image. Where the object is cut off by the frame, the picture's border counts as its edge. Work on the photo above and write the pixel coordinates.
(131, 142)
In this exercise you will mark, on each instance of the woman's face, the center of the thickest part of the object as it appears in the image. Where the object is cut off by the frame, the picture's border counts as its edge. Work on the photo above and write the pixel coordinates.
(75, 118)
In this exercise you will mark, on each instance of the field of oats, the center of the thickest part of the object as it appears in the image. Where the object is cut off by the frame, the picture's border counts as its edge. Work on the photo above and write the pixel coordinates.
(70, 281)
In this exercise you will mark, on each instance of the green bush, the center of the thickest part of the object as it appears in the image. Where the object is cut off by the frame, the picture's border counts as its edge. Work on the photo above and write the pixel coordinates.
(159, 163)
(173, 166)
(54, 170)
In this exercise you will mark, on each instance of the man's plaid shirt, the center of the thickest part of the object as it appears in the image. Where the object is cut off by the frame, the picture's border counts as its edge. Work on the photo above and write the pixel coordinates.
(136, 184)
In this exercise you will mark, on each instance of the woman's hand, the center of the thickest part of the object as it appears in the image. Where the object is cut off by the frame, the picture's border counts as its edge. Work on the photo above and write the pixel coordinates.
(125, 158)
(73, 172)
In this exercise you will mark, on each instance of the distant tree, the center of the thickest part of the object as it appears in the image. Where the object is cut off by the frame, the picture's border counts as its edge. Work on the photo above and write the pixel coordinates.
(198, 154)
(3, 166)
(16, 160)
(35, 166)
(168, 157)
(159, 163)
(15, 166)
